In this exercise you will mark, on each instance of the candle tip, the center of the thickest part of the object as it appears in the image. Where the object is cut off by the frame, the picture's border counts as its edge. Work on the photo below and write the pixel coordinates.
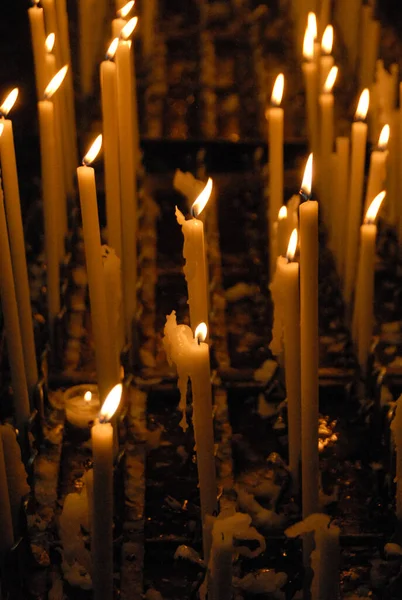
(111, 403)
(384, 137)
(93, 151)
(111, 51)
(55, 82)
(374, 208)
(306, 185)
(312, 24)
(308, 45)
(283, 213)
(9, 102)
(49, 42)
(330, 80)
(200, 203)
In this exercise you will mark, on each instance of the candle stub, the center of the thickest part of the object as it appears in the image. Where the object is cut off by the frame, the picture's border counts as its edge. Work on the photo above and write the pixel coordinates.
(82, 405)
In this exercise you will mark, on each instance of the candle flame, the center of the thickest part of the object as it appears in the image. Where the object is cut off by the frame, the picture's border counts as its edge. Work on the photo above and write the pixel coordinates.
(363, 105)
(384, 137)
(291, 251)
(277, 92)
(56, 82)
(88, 396)
(126, 9)
(330, 80)
(111, 51)
(9, 102)
(200, 203)
(111, 403)
(200, 333)
(283, 213)
(93, 151)
(308, 45)
(49, 42)
(129, 28)
(312, 24)
(307, 177)
(1, 129)
(327, 40)
(374, 207)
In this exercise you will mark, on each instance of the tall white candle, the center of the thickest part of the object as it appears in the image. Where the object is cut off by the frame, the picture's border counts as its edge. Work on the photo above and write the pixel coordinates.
(326, 60)
(102, 509)
(15, 471)
(378, 168)
(17, 243)
(326, 102)
(310, 79)
(355, 196)
(37, 24)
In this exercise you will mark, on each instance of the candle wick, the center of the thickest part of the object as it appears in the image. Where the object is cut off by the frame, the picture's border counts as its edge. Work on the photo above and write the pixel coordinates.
(303, 194)
(193, 214)
(198, 340)
(102, 419)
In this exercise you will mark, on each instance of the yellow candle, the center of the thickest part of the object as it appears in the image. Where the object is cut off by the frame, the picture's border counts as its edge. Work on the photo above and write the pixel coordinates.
(326, 102)
(37, 25)
(309, 339)
(378, 169)
(355, 195)
(12, 328)
(195, 270)
(275, 141)
(148, 34)
(17, 242)
(326, 59)
(102, 509)
(310, 78)
(342, 184)
(104, 344)
(6, 524)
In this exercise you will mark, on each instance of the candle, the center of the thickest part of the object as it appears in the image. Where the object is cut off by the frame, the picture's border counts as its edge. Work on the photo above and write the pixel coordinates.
(355, 195)
(6, 524)
(120, 22)
(396, 428)
(15, 473)
(12, 329)
(310, 77)
(326, 60)
(82, 405)
(108, 80)
(365, 281)
(104, 344)
(73, 519)
(393, 159)
(377, 171)
(220, 563)
(112, 276)
(309, 340)
(50, 168)
(342, 183)
(128, 173)
(275, 140)
(17, 243)
(195, 270)
(37, 25)
(102, 510)
(85, 21)
(325, 14)
(326, 102)
(191, 357)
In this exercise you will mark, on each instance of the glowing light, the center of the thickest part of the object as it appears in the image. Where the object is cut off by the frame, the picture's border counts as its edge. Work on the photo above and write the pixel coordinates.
(111, 403)
(307, 177)
(277, 92)
(384, 137)
(93, 151)
(330, 80)
(363, 105)
(327, 40)
(9, 102)
(200, 333)
(283, 213)
(49, 42)
(374, 207)
(291, 251)
(56, 82)
(88, 396)
(129, 28)
(111, 51)
(308, 45)
(126, 9)
(1, 129)
(312, 24)
(201, 201)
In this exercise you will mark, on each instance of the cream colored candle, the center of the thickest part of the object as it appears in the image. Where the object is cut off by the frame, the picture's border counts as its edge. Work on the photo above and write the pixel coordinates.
(128, 182)
(17, 243)
(6, 524)
(355, 195)
(342, 186)
(104, 353)
(309, 341)
(49, 7)
(12, 329)
(325, 15)
(310, 79)
(108, 80)
(282, 232)
(365, 300)
(195, 268)
(326, 59)
(378, 168)
(396, 427)
(37, 24)
(102, 509)
(148, 34)
(85, 21)
(120, 21)
(275, 141)
(326, 102)
(394, 210)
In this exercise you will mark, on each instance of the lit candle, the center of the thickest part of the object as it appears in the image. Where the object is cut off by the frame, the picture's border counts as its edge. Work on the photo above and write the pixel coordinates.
(104, 344)
(365, 281)
(282, 232)
(17, 242)
(309, 340)
(81, 404)
(275, 140)
(128, 173)
(50, 168)
(195, 270)
(326, 102)
(108, 80)
(120, 21)
(37, 25)
(326, 60)
(220, 563)
(148, 15)
(310, 77)
(341, 192)
(102, 510)
(12, 328)
(355, 196)
(378, 167)
(190, 354)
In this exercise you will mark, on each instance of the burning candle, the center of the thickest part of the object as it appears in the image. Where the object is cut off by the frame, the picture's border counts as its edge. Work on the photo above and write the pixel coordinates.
(378, 167)
(195, 270)
(326, 59)
(108, 80)
(355, 196)
(15, 471)
(310, 77)
(120, 21)
(102, 510)
(17, 243)
(104, 343)
(37, 25)
(82, 405)
(148, 15)
(342, 183)
(326, 102)
(309, 339)
(282, 232)
(6, 524)
(275, 140)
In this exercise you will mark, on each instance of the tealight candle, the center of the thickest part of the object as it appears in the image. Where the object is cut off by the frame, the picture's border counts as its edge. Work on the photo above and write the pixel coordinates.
(82, 405)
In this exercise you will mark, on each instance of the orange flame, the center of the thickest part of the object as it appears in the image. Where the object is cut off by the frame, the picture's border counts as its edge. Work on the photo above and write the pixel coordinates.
(308, 45)
(312, 24)
(93, 151)
(49, 42)
(56, 82)
(374, 207)
(88, 396)
(200, 333)
(126, 9)
(291, 251)
(330, 80)
(9, 102)
(283, 213)
(111, 51)
(277, 92)
(327, 40)
(384, 137)
(200, 203)
(129, 28)
(363, 105)
(111, 403)
(308, 177)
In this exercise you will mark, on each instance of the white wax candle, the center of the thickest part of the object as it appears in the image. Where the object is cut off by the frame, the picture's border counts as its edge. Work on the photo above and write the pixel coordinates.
(355, 196)
(81, 404)
(85, 21)
(12, 327)
(15, 472)
(112, 277)
(309, 68)
(17, 248)
(108, 80)
(37, 25)
(309, 339)
(326, 102)
(105, 358)
(378, 170)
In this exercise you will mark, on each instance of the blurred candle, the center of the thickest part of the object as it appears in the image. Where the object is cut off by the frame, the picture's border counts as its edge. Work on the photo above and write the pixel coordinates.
(377, 171)
(120, 21)
(310, 79)
(6, 524)
(37, 24)
(326, 102)
(326, 59)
